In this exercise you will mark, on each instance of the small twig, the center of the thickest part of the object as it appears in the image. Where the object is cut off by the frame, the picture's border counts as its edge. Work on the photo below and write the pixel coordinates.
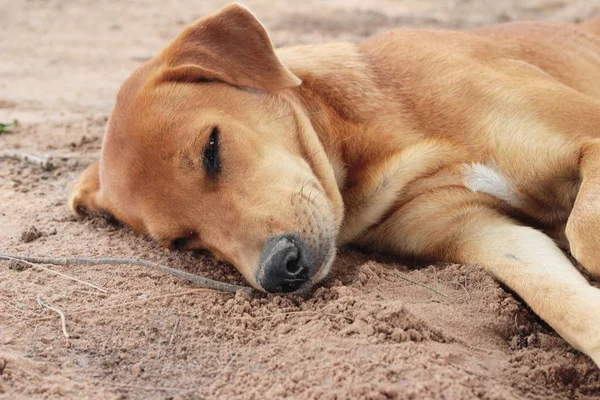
(103, 308)
(155, 388)
(198, 280)
(42, 161)
(423, 285)
(55, 272)
(250, 318)
(173, 332)
(8, 127)
(12, 305)
(70, 156)
(213, 380)
(294, 313)
(465, 289)
(62, 316)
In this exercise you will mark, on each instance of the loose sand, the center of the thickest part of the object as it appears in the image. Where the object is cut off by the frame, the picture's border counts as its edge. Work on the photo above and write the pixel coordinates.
(367, 333)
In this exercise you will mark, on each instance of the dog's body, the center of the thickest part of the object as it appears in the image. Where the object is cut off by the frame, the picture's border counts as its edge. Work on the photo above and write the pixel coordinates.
(436, 145)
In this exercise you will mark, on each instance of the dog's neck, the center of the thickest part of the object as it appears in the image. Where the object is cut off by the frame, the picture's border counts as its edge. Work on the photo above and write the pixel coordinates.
(339, 96)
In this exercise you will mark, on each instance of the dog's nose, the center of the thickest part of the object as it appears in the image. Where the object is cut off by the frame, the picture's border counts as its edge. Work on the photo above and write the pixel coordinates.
(284, 267)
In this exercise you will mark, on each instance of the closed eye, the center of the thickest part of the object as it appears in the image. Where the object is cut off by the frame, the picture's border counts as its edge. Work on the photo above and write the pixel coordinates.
(212, 157)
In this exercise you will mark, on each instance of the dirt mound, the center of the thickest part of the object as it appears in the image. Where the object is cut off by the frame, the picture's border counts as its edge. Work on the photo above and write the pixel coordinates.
(376, 329)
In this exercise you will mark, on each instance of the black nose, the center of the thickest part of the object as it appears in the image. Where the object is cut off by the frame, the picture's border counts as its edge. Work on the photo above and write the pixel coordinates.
(284, 265)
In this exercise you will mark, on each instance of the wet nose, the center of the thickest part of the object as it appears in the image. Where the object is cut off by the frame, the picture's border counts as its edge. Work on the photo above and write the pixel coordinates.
(284, 267)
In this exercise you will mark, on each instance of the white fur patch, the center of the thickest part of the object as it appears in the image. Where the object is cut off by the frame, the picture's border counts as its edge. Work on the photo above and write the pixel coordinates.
(484, 179)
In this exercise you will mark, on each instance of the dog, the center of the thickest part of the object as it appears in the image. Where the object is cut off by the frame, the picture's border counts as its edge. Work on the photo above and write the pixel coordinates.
(478, 147)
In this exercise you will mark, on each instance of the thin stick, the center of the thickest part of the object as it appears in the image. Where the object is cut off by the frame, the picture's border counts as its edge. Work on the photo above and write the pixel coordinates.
(423, 285)
(299, 312)
(198, 280)
(127, 385)
(62, 316)
(285, 314)
(173, 332)
(41, 161)
(58, 273)
(213, 380)
(103, 308)
(12, 305)
(465, 289)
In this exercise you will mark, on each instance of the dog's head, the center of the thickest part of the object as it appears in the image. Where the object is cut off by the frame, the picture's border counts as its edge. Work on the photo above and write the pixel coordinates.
(208, 148)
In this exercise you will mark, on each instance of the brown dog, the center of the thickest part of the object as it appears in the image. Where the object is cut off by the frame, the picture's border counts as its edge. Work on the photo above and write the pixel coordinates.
(439, 145)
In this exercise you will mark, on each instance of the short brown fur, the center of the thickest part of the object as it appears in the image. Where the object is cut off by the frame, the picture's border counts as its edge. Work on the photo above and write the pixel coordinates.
(440, 145)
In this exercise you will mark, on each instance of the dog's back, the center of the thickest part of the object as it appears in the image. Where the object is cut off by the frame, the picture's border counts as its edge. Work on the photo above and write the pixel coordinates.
(591, 25)
(570, 53)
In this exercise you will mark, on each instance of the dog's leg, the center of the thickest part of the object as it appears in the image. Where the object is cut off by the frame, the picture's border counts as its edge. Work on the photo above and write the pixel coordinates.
(457, 225)
(531, 264)
(583, 226)
(83, 198)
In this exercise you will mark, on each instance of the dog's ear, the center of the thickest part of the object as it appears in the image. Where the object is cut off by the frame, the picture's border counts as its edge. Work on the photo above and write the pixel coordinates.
(84, 194)
(230, 46)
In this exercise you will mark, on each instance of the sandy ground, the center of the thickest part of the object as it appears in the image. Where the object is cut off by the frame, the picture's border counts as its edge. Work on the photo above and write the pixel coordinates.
(367, 333)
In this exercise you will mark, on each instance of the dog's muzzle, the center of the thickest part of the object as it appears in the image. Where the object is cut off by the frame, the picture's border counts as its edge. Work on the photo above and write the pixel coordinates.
(286, 264)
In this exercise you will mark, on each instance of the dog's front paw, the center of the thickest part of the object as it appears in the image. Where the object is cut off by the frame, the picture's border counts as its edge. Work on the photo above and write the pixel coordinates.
(82, 197)
(583, 235)
(582, 327)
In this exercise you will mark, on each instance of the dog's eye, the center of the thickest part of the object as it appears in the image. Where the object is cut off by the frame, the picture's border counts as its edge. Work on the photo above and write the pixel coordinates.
(212, 158)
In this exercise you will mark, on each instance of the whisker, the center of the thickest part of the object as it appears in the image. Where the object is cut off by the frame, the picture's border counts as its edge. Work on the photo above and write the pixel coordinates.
(264, 115)
(278, 118)
(349, 137)
(310, 193)
(310, 158)
(301, 192)
(318, 194)
(294, 191)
